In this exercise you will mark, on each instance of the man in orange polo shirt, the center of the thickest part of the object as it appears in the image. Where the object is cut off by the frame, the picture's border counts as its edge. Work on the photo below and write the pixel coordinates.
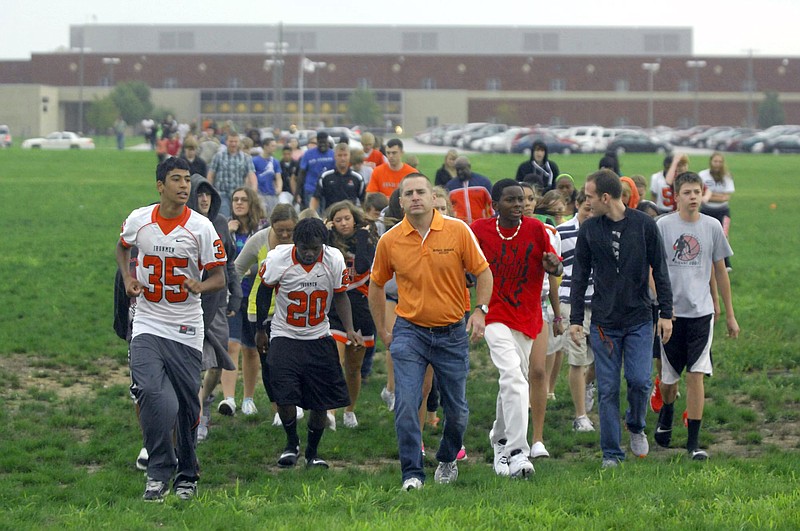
(386, 177)
(429, 253)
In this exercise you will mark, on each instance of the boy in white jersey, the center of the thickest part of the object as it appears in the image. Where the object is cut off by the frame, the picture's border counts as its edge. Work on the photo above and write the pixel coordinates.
(175, 245)
(694, 245)
(303, 361)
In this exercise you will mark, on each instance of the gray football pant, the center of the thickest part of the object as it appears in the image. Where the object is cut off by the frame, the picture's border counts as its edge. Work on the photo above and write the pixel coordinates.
(165, 379)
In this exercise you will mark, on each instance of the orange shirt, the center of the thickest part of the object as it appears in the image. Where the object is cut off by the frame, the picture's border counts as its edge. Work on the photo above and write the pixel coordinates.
(385, 180)
(430, 271)
(375, 158)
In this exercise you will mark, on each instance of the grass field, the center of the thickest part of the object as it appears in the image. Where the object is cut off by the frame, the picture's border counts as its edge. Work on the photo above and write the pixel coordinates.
(70, 437)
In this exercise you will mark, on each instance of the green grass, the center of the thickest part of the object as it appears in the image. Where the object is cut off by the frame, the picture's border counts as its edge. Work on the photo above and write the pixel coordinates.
(69, 434)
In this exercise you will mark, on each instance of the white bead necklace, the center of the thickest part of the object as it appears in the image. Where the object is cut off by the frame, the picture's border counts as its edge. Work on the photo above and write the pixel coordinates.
(497, 226)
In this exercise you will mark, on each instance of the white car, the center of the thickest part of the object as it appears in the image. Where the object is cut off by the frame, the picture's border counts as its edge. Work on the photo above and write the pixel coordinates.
(59, 140)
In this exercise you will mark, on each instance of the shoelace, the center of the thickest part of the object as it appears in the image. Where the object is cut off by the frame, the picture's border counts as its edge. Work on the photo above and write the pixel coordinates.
(154, 485)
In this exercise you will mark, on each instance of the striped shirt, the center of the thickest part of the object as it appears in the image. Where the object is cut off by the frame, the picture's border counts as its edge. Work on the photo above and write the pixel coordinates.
(569, 235)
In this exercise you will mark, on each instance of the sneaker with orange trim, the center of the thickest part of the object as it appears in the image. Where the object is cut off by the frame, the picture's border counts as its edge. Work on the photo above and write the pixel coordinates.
(656, 401)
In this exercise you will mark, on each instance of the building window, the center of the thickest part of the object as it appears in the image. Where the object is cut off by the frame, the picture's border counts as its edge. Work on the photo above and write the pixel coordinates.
(540, 42)
(661, 42)
(420, 41)
(431, 121)
(621, 121)
(621, 85)
(558, 85)
(428, 83)
(493, 83)
(557, 120)
(234, 82)
(685, 85)
(307, 40)
(363, 83)
(171, 83)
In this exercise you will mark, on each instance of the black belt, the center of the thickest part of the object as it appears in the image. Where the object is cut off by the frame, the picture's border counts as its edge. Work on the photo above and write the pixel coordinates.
(445, 329)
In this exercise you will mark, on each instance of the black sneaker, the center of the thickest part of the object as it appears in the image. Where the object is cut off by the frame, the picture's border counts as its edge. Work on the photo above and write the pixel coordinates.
(185, 489)
(663, 437)
(698, 455)
(316, 462)
(155, 490)
(289, 457)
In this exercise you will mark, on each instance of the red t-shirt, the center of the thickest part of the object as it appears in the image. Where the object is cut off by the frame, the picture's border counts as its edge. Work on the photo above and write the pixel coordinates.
(518, 273)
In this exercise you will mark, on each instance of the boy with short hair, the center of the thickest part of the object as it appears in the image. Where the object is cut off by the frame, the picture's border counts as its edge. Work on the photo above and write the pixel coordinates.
(695, 246)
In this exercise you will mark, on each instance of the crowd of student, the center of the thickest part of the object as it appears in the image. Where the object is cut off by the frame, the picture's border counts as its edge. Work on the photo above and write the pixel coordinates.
(327, 248)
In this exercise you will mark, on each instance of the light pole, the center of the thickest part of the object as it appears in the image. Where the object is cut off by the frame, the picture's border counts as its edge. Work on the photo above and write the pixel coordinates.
(111, 61)
(696, 66)
(750, 88)
(306, 65)
(277, 50)
(651, 68)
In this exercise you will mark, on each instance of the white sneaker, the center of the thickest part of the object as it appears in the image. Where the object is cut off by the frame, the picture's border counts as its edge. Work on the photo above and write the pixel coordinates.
(519, 467)
(588, 400)
(388, 397)
(412, 484)
(582, 424)
(551, 397)
(249, 407)
(142, 460)
(639, 445)
(227, 407)
(538, 450)
(350, 420)
(331, 422)
(446, 473)
(277, 420)
(202, 429)
(300, 412)
(500, 459)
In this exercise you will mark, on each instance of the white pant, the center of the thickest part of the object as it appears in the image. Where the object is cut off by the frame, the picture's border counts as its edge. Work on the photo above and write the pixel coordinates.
(510, 351)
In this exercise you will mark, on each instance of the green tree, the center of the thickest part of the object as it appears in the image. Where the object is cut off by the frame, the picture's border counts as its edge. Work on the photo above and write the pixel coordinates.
(101, 114)
(363, 108)
(770, 111)
(132, 100)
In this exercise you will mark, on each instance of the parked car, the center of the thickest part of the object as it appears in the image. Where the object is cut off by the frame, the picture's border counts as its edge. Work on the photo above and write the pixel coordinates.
(589, 138)
(59, 140)
(782, 144)
(553, 143)
(637, 143)
(5, 136)
(343, 134)
(466, 141)
(501, 142)
(755, 144)
(452, 137)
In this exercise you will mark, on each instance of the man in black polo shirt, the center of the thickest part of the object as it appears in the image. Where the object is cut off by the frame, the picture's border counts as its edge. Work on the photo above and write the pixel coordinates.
(340, 183)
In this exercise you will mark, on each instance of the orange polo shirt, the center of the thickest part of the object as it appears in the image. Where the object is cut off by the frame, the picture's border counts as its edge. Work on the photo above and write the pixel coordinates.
(385, 180)
(430, 271)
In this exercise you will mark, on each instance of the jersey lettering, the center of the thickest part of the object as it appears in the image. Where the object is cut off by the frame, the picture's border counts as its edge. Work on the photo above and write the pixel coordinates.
(174, 282)
(306, 308)
(667, 197)
(220, 250)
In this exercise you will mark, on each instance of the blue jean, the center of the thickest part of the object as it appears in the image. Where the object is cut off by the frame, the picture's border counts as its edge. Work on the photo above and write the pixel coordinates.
(413, 348)
(614, 349)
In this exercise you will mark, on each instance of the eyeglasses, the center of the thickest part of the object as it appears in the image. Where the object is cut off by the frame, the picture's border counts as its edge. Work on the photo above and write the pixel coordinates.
(240, 200)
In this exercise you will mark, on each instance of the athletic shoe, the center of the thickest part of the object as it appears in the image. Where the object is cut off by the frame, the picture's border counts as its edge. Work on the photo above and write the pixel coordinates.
(538, 450)
(663, 436)
(609, 462)
(446, 473)
(316, 462)
(656, 400)
(500, 459)
(639, 445)
(551, 397)
(249, 407)
(698, 455)
(685, 418)
(142, 460)
(300, 412)
(462, 454)
(227, 407)
(185, 489)
(155, 490)
(588, 400)
(276, 421)
(350, 420)
(519, 467)
(388, 397)
(331, 425)
(412, 484)
(582, 424)
(289, 457)
(202, 429)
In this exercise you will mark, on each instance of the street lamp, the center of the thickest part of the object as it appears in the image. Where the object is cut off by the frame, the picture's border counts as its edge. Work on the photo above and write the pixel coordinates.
(111, 61)
(751, 85)
(696, 66)
(277, 50)
(306, 65)
(651, 68)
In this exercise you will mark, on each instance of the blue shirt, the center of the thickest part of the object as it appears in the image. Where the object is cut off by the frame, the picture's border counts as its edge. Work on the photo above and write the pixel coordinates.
(315, 163)
(265, 172)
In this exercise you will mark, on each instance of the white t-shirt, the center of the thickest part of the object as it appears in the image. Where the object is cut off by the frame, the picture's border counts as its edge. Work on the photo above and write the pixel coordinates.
(167, 259)
(723, 187)
(304, 294)
(665, 202)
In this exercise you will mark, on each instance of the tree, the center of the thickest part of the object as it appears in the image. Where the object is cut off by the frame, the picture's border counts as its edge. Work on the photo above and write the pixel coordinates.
(101, 114)
(132, 100)
(363, 108)
(770, 111)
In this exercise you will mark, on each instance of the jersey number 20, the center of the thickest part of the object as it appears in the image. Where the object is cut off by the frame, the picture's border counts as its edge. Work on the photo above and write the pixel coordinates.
(306, 309)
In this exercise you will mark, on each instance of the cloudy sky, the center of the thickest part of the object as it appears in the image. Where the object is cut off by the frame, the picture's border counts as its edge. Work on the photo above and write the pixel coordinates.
(768, 27)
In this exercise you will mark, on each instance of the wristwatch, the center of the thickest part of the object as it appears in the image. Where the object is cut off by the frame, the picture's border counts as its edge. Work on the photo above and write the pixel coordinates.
(484, 308)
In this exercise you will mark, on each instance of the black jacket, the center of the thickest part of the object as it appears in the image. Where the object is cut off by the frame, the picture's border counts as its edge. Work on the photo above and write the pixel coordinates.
(621, 298)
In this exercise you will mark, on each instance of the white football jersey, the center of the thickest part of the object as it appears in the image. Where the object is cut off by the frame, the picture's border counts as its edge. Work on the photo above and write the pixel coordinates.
(303, 294)
(170, 252)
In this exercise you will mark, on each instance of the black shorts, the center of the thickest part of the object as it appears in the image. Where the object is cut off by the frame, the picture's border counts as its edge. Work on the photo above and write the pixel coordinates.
(306, 374)
(689, 348)
(362, 320)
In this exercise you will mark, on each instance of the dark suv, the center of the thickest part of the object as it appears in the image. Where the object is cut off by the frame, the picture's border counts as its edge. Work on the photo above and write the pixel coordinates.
(5, 136)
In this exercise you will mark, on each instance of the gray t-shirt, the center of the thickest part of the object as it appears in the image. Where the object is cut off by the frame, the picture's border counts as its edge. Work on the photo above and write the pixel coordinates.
(691, 249)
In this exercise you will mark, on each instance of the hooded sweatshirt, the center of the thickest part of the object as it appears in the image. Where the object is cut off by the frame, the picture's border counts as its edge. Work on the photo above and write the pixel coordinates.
(548, 169)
